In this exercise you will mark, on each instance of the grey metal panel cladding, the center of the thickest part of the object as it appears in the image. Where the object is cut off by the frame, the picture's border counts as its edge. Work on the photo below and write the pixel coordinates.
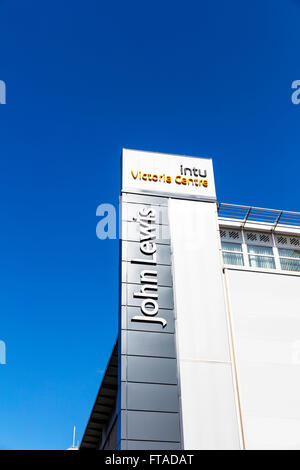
(151, 445)
(131, 250)
(130, 212)
(128, 324)
(123, 369)
(152, 426)
(144, 343)
(145, 199)
(149, 399)
(132, 273)
(150, 370)
(152, 397)
(165, 295)
(131, 232)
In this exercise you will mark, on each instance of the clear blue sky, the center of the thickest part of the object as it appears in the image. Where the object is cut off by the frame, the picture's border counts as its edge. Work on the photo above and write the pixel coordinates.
(84, 79)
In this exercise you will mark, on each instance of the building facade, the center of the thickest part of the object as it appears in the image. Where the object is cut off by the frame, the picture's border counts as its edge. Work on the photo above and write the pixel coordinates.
(208, 349)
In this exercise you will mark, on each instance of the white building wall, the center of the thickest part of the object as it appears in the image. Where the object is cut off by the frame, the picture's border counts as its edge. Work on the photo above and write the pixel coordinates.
(265, 312)
(209, 411)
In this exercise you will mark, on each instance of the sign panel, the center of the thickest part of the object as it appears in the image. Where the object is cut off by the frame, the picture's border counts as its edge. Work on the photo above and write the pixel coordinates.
(158, 173)
(149, 405)
(149, 410)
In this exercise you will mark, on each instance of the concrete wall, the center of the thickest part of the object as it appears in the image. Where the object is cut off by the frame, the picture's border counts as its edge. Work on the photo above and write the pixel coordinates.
(209, 412)
(265, 312)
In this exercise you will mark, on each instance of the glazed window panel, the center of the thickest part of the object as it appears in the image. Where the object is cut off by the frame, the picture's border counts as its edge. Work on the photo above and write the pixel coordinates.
(229, 246)
(261, 257)
(288, 253)
(264, 262)
(260, 250)
(289, 259)
(288, 264)
(232, 254)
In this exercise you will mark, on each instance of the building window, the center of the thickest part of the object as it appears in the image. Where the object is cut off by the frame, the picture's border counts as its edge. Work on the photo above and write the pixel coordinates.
(232, 253)
(260, 250)
(289, 259)
(261, 257)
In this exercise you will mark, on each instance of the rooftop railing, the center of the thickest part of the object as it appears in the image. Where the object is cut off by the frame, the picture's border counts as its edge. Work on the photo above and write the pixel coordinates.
(258, 214)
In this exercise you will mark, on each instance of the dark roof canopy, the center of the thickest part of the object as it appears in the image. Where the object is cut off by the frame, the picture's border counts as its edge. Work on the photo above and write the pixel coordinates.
(104, 406)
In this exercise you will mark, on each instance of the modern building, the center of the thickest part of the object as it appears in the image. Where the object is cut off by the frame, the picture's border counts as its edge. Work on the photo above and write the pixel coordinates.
(208, 348)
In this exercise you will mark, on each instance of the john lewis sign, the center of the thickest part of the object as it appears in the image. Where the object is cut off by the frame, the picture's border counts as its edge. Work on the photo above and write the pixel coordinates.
(148, 277)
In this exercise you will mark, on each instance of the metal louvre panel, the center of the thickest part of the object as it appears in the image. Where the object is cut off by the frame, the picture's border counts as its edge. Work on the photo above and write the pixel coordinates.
(258, 238)
(288, 242)
(231, 235)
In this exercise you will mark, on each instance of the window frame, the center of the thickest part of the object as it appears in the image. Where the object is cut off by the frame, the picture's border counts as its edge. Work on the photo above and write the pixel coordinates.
(289, 258)
(272, 244)
(225, 250)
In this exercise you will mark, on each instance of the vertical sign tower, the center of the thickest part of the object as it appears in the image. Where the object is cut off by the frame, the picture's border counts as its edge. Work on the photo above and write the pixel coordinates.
(173, 334)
